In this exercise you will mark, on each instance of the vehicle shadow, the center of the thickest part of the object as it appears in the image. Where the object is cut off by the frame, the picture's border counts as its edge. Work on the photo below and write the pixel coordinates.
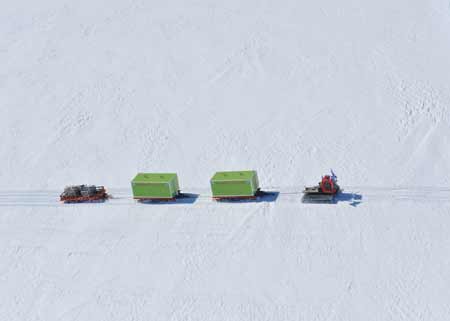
(353, 199)
(183, 198)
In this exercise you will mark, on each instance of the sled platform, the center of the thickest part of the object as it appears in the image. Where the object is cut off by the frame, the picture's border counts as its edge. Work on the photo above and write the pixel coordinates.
(101, 197)
(259, 194)
(179, 196)
(155, 200)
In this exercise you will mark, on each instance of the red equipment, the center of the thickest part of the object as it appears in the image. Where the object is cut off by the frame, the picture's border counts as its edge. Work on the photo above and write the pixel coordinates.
(325, 191)
(328, 185)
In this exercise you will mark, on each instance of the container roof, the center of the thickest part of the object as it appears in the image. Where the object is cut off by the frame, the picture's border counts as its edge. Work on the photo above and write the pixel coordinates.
(234, 175)
(154, 177)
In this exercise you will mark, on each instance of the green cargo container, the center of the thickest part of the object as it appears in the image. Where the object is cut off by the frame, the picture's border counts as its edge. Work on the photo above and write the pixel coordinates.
(240, 184)
(155, 186)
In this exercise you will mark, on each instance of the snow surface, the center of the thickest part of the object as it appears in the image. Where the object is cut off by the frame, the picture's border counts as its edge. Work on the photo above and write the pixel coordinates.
(95, 91)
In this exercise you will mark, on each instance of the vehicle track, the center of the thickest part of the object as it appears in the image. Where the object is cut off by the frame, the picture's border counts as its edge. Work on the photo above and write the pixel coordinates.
(122, 196)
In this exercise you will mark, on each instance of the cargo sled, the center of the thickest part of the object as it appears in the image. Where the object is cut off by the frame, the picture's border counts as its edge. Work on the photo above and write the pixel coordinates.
(235, 186)
(83, 193)
(156, 187)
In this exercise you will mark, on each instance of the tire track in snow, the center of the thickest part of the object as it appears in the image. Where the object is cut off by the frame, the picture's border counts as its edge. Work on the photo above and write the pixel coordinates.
(122, 197)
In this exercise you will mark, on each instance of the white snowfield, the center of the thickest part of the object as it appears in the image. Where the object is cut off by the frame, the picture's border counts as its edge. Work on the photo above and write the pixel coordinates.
(96, 91)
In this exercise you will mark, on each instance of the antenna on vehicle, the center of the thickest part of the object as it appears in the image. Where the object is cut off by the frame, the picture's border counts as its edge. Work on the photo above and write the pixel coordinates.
(333, 175)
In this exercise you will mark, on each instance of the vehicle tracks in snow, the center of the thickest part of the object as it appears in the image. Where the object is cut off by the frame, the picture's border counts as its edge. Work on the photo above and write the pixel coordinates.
(122, 197)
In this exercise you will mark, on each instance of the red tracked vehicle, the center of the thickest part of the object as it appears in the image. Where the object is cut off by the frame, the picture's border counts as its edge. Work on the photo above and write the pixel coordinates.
(324, 192)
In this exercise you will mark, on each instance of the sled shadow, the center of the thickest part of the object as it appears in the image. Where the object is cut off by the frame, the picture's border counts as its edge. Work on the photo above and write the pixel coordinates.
(353, 199)
(184, 198)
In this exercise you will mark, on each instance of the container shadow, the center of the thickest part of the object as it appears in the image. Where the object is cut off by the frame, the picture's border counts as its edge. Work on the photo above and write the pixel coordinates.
(183, 198)
(261, 197)
(268, 197)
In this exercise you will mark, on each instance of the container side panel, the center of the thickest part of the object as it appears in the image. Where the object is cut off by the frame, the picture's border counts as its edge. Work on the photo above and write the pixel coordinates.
(177, 184)
(156, 190)
(255, 182)
(170, 185)
(232, 188)
(173, 186)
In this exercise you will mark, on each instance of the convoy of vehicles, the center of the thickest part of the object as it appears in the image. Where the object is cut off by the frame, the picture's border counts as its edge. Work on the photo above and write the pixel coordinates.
(225, 186)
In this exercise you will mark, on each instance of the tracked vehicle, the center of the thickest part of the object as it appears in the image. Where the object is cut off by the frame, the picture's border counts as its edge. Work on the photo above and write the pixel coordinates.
(324, 192)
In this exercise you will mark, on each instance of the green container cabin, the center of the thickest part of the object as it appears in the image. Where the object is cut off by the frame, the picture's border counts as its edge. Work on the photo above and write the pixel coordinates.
(238, 184)
(157, 186)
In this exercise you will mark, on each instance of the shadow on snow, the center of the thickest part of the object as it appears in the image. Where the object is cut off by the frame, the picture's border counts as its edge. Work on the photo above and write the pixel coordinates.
(352, 198)
(262, 197)
(183, 198)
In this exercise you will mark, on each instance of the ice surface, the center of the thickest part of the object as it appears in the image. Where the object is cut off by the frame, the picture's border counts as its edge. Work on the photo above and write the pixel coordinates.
(96, 91)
